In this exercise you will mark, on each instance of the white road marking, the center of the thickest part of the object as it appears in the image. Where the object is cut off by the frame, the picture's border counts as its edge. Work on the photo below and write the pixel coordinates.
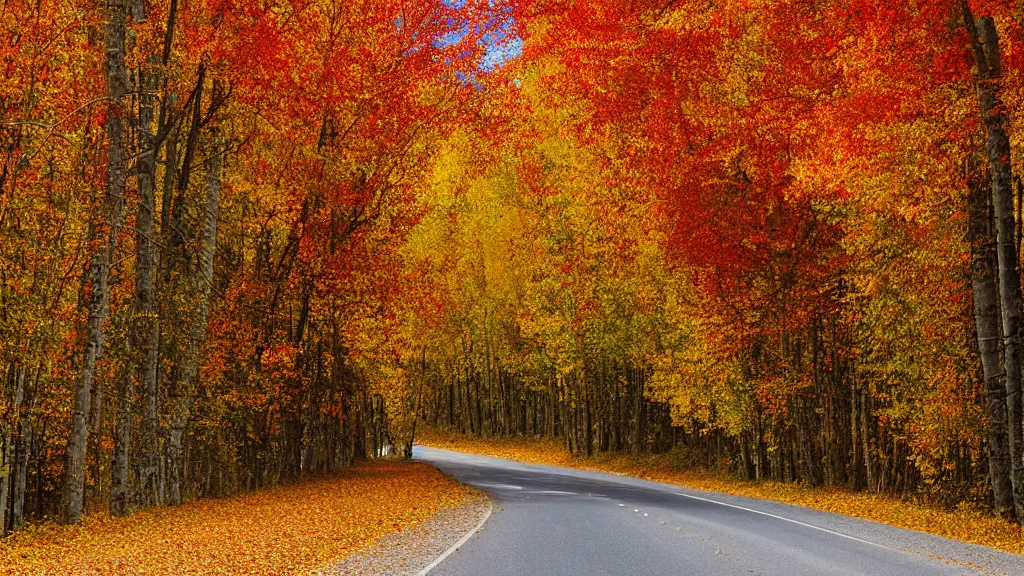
(499, 486)
(784, 519)
(557, 492)
(458, 544)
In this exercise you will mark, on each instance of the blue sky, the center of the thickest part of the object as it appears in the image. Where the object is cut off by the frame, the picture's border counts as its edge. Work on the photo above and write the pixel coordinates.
(499, 39)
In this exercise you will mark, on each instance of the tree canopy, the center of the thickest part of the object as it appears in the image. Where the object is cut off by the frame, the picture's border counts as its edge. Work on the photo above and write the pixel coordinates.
(246, 242)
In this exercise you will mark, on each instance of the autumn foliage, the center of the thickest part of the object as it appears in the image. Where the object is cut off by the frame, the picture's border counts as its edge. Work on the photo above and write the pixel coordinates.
(298, 529)
(201, 206)
(245, 243)
(743, 231)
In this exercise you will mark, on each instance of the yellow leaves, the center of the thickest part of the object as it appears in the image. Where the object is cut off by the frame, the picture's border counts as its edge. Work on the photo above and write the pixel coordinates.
(965, 523)
(291, 530)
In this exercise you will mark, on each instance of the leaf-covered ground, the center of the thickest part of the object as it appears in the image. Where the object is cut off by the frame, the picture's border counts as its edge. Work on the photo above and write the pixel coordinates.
(968, 525)
(295, 529)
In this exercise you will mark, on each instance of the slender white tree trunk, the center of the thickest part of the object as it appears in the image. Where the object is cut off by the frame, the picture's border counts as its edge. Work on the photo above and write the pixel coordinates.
(988, 71)
(104, 237)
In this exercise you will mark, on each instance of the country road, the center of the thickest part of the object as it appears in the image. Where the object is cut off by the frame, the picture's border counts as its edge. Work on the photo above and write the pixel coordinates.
(563, 522)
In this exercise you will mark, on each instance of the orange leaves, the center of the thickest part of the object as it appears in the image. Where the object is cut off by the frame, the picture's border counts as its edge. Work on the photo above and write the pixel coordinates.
(292, 530)
(278, 362)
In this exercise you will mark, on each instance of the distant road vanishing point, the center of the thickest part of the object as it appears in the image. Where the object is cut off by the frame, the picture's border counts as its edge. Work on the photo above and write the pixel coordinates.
(552, 521)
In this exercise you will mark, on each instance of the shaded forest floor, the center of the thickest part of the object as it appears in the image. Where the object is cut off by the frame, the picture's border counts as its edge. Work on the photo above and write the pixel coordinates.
(965, 524)
(296, 529)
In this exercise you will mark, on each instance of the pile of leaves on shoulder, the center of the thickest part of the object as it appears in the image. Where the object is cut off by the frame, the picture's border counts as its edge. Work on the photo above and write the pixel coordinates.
(295, 529)
(966, 523)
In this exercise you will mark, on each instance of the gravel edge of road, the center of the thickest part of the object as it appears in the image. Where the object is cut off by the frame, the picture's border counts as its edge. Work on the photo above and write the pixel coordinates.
(409, 551)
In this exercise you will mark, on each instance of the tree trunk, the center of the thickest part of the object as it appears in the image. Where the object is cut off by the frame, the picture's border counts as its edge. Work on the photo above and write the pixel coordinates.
(6, 470)
(490, 387)
(104, 237)
(986, 319)
(988, 73)
(451, 404)
(144, 329)
(21, 473)
(24, 451)
(479, 414)
(204, 280)
(856, 461)
(588, 430)
(7, 467)
(865, 436)
(119, 489)
(416, 409)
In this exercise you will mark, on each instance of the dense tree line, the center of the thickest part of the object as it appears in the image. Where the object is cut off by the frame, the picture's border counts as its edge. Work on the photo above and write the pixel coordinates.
(243, 242)
(781, 241)
(199, 209)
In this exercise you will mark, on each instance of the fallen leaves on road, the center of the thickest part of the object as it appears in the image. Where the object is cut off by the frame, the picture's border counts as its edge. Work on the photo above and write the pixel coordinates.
(966, 524)
(289, 530)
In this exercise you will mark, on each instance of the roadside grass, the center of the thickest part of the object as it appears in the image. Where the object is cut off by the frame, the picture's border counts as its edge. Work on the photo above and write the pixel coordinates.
(295, 529)
(966, 524)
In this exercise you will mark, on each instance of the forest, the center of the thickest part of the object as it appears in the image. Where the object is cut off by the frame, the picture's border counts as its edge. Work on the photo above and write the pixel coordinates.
(247, 243)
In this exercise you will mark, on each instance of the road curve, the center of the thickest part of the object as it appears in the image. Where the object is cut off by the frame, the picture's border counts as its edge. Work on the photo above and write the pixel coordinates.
(552, 521)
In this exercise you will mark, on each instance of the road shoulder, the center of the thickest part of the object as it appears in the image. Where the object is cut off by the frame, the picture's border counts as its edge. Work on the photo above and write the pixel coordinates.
(413, 551)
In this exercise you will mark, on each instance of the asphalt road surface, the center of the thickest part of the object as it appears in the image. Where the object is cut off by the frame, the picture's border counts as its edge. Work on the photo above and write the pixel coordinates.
(563, 522)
